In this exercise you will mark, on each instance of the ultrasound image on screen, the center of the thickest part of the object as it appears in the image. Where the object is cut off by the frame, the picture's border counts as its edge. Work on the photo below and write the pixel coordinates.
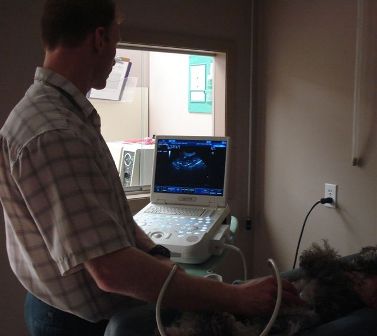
(190, 167)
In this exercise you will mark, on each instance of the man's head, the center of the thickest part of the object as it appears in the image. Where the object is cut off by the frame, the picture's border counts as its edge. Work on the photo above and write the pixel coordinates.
(68, 22)
(80, 38)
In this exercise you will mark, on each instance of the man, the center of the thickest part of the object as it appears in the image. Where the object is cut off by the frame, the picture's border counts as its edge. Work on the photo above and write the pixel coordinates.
(71, 238)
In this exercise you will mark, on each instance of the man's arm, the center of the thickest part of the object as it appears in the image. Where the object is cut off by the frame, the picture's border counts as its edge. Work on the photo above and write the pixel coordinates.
(143, 241)
(136, 274)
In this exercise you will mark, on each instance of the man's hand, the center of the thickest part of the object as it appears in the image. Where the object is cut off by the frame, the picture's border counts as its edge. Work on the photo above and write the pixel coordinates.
(258, 296)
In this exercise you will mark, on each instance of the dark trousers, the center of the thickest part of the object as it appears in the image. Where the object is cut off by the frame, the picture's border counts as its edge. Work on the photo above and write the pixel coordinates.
(44, 320)
(139, 321)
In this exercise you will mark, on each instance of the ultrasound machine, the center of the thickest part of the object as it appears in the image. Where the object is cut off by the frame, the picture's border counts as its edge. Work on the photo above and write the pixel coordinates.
(188, 205)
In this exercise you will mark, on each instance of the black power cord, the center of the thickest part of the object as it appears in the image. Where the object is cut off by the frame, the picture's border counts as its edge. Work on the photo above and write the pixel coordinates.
(326, 200)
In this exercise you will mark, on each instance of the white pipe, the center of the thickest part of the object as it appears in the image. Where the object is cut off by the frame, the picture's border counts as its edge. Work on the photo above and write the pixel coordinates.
(359, 54)
(250, 138)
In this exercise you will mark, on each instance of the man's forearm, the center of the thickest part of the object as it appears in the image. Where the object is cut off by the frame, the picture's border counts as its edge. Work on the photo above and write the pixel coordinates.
(133, 273)
(136, 274)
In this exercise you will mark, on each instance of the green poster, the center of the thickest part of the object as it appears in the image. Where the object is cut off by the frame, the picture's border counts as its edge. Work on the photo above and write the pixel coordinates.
(200, 84)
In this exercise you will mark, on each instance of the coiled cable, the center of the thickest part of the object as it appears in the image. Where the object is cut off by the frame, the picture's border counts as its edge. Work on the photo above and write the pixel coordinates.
(159, 300)
(278, 299)
(270, 322)
(235, 248)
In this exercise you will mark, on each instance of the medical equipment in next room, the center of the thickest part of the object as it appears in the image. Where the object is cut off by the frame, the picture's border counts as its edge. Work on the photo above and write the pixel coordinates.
(133, 161)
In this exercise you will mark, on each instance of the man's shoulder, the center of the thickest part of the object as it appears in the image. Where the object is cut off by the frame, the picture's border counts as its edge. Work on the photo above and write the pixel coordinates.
(34, 114)
(38, 112)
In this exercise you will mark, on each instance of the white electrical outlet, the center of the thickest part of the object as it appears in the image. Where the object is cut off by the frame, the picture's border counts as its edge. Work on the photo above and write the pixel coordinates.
(331, 191)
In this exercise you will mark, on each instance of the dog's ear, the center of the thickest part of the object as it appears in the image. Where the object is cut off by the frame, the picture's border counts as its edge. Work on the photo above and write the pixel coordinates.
(319, 259)
(366, 260)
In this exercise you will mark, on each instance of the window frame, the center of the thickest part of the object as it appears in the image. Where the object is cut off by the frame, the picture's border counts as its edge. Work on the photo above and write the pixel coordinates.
(219, 93)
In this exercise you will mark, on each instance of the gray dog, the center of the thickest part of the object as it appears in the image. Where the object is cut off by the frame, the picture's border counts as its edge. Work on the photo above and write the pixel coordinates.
(332, 287)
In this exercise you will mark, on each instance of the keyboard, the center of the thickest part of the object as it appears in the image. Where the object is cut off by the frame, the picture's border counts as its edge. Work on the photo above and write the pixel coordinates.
(174, 211)
(185, 231)
(160, 226)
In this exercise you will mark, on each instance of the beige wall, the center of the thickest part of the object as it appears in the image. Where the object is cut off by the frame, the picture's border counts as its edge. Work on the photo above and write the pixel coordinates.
(304, 102)
(18, 57)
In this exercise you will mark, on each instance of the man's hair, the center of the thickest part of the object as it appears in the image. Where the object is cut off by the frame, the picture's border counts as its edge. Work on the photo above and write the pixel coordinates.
(68, 22)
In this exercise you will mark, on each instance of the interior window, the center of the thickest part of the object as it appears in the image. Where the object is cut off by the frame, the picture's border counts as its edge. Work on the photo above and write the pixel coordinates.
(157, 92)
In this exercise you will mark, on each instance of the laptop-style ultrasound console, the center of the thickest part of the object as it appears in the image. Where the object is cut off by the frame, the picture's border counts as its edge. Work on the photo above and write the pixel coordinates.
(188, 195)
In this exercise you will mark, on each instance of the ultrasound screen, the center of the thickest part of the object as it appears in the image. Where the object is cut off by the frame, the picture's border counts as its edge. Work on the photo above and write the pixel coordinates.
(190, 167)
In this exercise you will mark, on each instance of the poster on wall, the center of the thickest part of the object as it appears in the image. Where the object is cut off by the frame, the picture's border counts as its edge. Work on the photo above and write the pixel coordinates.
(116, 81)
(200, 84)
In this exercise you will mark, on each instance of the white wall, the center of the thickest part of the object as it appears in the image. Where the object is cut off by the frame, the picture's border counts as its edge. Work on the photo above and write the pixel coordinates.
(122, 120)
(128, 117)
(168, 109)
(161, 108)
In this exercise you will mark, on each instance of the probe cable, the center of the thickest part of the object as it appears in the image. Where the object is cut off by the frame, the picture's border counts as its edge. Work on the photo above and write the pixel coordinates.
(279, 286)
(159, 300)
(235, 248)
(270, 322)
(278, 299)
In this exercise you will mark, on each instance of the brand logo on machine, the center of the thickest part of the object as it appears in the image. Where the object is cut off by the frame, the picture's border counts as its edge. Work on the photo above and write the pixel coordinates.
(187, 198)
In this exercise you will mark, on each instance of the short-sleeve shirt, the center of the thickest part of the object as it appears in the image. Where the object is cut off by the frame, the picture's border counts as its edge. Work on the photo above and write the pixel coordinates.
(62, 197)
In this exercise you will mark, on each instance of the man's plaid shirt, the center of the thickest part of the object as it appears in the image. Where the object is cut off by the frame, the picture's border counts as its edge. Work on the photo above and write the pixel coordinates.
(62, 198)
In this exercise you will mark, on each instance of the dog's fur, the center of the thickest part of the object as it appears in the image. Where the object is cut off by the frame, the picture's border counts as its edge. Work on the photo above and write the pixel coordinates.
(328, 283)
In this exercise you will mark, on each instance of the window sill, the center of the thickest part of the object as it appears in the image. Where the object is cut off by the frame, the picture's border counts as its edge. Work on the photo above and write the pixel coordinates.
(137, 201)
(138, 196)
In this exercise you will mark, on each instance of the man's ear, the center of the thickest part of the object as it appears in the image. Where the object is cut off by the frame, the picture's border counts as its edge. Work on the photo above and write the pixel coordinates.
(100, 36)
